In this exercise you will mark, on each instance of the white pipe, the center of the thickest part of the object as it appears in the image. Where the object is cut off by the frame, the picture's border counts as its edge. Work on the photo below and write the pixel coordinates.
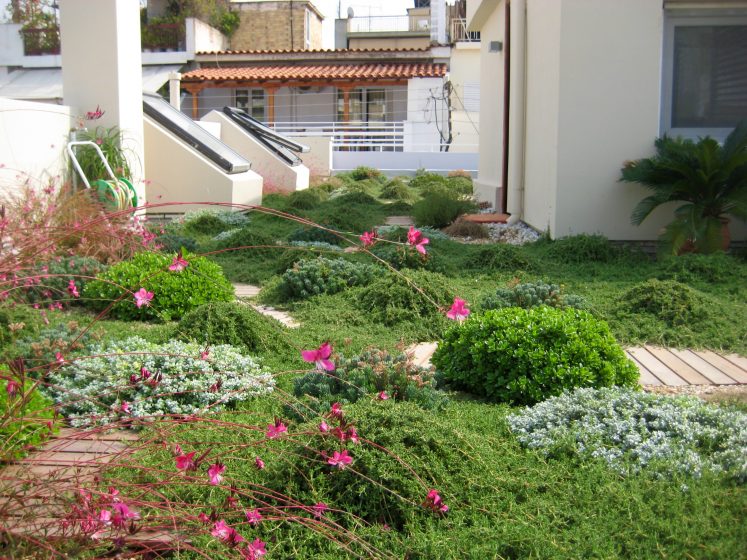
(517, 111)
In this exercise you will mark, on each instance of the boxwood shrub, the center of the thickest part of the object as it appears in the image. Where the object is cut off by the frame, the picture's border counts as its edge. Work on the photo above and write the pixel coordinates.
(524, 356)
(175, 293)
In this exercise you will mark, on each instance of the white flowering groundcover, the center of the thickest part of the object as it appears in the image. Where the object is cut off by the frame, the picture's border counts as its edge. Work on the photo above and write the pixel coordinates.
(111, 384)
(634, 431)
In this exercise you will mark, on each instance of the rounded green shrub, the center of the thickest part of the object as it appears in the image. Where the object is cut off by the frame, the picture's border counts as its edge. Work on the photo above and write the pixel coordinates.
(667, 300)
(232, 323)
(530, 294)
(440, 208)
(362, 173)
(309, 278)
(55, 276)
(175, 293)
(307, 198)
(396, 189)
(172, 243)
(524, 356)
(697, 267)
(401, 257)
(255, 242)
(315, 234)
(500, 256)
(25, 321)
(583, 248)
(393, 299)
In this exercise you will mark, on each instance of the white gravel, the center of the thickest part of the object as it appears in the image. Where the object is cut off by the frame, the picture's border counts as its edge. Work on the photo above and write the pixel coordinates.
(517, 234)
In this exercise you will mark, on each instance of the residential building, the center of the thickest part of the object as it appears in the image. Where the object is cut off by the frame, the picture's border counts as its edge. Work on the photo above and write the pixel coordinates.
(571, 89)
(277, 25)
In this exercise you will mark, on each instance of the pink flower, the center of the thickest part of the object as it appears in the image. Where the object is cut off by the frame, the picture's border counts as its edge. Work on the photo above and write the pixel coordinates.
(458, 311)
(433, 501)
(340, 459)
(320, 357)
(215, 472)
(274, 430)
(58, 357)
(186, 462)
(383, 396)
(73, 289)
(122, 514)
(323, 427)
(125, 407)
(12, 388)
(416, 239)
(352, 435)
(144, 373)
(335, 411)
(105, 516)
(221, 530)
(178, 264)
(319, 508)
(255, 549)
(94, 115)
(204, 518)
(204, 354)
(253, 516)
(259, 463)
(368, 238)
(143, 297)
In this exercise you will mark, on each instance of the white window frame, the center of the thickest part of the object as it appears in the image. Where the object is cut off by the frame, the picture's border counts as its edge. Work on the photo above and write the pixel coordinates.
(689, 18)
(249, 93)
(307, 32)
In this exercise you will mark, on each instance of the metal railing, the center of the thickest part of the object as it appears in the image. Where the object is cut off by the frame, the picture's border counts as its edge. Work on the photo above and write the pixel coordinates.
(350, 137)
(385, 24)
(459, 32)
(41, 41)
(163, 36)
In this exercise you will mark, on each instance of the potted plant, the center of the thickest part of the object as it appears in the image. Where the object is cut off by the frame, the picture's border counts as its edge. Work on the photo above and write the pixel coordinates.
(710, 178)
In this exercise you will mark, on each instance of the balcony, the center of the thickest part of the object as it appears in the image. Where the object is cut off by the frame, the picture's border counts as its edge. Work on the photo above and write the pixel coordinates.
(460, 34)
(389, 24)
(37, 42)
(163, 37)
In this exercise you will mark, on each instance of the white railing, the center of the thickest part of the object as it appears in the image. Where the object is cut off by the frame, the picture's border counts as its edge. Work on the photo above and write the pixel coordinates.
(351, 137)
(459, 32)
(380, 24)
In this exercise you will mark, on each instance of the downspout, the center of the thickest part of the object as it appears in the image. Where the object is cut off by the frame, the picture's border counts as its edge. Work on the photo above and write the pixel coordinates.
(290, 5)
(517, 116)
(506, 104)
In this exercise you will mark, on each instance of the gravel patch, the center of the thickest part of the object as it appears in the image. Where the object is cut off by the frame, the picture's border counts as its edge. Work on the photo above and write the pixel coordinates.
(517, 234)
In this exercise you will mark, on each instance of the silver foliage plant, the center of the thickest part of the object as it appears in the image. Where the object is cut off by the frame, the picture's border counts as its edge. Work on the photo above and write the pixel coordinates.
(102, 389)
(634, 431)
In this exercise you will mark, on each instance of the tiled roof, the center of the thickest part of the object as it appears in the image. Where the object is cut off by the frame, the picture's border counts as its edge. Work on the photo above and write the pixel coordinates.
(316, 72)
(313, 51)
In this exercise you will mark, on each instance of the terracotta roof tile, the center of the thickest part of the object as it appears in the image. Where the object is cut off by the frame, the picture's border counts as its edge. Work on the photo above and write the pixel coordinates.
(316, 72)
(314, 51)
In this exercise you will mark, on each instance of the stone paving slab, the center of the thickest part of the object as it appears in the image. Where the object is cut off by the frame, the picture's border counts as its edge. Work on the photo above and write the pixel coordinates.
(405, 221)
(248, 291)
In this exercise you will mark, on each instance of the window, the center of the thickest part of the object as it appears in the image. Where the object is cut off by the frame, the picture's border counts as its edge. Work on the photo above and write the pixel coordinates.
(366, 105)
(308, 29)
(252, 101)
(705, 74)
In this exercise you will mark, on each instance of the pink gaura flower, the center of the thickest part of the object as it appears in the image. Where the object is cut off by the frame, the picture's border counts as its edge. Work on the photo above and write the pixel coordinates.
(318, 509)
(274, 430)
(320, 357)
(323, 427)
(59, 358)
(416, 239)
(125, 407)
(12, 388)
(178, 264)
(143, 297)
(383, 396)
(144, 373)
(221, 530)
(253, 516)
(203, 518)
(259, 463)
(368, 238)
(204, 354)
(105, 516)
(186, 462)
(459, 311)
(122, 514)
(94, 115)
(73, 289)
(352, 435)
(340, 459)
(214, 473)
(255, 549)
(335, 411)
(433, 501)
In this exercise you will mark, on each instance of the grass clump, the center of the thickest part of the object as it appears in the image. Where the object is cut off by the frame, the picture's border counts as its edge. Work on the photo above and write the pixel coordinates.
(440, 207)
(634, 431)
(324, 276)
(667, 300)
(315, 234)
(583, 248)
(524, 356)
(362, 173)
(530, 295)
(464, 228)
(235, 324)
(500, 257)
(702, 269)
(307, 198)
(397, 190)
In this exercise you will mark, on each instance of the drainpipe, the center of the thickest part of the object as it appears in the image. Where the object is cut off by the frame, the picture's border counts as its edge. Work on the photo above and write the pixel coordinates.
(517, 114)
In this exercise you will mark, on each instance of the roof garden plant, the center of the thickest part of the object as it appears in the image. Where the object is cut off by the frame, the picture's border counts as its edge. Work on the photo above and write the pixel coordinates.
(711, 180)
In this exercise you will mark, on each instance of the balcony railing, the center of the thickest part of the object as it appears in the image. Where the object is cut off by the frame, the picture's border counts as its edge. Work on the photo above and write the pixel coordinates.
(350, 137)
(41, 41)
(163, 36)
(388, 24)
(460, 34)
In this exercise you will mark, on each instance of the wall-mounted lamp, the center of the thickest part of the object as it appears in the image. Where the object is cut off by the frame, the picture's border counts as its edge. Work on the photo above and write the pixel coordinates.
(495, 46)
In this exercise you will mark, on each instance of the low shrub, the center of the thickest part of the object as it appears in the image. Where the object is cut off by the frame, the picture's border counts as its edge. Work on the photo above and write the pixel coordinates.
(440, 208)
(365, 375)
(209, 221)
(232, 323)
(324, 276)
(175, 293)
(530, 295)
(524, 356)
(401, 257)
(55, 276)
(396, 189)
(173, 243)
(17, 321)
(362, 173)
(634, 431)
(351, 197)
(697, 267)
(307, 198)
(354, 218)
(459, 173)
(315, 234)
(427, 180)
(583, 248)
(41, 348)
(667, 300)
(500, 256)
(398, 208)
(253, 242)
(463, 228)
(392, 299)
(150, 380)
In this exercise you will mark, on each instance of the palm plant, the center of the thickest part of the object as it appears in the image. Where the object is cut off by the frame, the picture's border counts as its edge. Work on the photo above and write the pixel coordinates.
(710, 178)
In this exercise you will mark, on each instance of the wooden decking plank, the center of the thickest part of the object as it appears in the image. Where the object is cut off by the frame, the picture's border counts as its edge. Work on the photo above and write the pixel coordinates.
(660, 370)
(67, 459)
(715, 375)
(740, 361)
(683, 369)
(732, 370)
(647, 378)
(83, 446)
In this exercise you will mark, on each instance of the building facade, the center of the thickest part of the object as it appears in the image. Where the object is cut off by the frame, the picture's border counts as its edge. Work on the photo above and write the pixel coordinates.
(277, 25)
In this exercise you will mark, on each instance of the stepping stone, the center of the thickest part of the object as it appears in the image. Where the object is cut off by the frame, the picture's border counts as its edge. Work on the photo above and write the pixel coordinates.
(405, 221)
(246, 290)
(280, 316)
(486, 218)
(421, 353)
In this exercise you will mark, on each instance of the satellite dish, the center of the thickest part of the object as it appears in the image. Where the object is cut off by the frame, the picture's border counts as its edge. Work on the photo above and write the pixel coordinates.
(351, 13)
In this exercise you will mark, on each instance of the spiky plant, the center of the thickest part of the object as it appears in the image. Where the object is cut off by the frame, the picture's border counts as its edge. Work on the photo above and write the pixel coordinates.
(710, 178)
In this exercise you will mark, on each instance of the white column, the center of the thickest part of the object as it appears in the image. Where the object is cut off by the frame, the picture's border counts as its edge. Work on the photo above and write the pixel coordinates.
(175, 79)
(101, 66)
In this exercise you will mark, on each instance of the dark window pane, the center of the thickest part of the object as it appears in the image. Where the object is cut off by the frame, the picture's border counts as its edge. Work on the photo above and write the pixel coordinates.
(709, 76)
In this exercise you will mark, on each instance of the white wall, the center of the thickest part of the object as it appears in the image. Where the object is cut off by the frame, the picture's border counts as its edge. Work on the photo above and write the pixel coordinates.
(33, 137)
(464, 75)
(319, 158)
(426, 115)
(201, 37)
(276, 175)
(178, 173)
(11, 45)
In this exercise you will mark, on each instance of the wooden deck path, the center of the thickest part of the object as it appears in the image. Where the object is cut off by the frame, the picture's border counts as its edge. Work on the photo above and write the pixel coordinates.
(658, 366)
(247, 291)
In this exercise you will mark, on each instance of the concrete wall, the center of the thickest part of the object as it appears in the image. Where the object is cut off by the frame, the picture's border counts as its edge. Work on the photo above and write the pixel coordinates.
(178, 173)
(488, 181)
(319, 157)
(394, 163)
(276, 175)
(201, 37)
(11, 45)
(267, 26)
(426, 115)
(38, 157)
(465, 71)
(389, 42)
